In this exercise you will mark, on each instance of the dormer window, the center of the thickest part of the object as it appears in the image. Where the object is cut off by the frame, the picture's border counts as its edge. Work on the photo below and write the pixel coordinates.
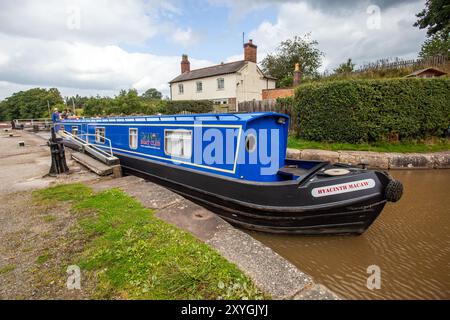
(180, 88)
(199, 86)
(220, 83)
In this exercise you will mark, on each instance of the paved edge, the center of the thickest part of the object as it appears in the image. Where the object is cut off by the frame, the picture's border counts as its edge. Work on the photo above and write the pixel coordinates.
(381, 160)
(270, 272)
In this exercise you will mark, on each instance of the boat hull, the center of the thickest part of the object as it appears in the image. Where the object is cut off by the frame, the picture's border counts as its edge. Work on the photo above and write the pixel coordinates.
(284, 207)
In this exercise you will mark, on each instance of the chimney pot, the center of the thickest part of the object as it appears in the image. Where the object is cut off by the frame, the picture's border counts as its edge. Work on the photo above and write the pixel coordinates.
(250, 51)
(297, 74)
(185, 64)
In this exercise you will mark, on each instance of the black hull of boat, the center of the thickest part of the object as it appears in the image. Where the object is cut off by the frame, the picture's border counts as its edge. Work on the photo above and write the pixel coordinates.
(277, 208)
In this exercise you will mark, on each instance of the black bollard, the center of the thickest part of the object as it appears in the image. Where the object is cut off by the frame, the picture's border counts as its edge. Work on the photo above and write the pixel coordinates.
(58, 153)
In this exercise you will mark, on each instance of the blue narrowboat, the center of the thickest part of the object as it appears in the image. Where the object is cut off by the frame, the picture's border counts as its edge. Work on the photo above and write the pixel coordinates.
(236, 165)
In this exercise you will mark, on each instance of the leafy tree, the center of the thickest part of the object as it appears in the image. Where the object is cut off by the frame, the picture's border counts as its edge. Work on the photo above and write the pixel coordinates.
(31, 104)
(127, 102)
(77, 101)
(436, 19)
(345, 68)
(297, 50)
(97, 106)
(436, 45)
(152, 93)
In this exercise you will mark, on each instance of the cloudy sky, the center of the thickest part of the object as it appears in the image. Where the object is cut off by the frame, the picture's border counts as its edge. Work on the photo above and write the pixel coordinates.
(102, 46)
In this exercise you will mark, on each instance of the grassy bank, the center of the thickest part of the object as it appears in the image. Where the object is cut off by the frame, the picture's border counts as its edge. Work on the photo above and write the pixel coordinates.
(135, 255)
(402, 147)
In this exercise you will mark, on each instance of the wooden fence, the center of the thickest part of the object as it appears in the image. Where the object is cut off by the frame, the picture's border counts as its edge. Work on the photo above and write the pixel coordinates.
(436, 61)
(270, 105)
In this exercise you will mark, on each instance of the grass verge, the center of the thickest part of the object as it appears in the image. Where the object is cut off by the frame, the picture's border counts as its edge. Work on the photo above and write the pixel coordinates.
(138, 256)
(401, 147)
(7, 268)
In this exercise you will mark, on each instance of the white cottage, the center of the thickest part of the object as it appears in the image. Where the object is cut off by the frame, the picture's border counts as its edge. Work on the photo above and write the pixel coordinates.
(225, 83)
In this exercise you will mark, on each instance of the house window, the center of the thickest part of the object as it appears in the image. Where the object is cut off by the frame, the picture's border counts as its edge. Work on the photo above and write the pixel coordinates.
(133, 138)
(100, 135)
(220, 83)
(178, 143)
(74, 131)
(220, 101)
(180, 88)
(199, 86)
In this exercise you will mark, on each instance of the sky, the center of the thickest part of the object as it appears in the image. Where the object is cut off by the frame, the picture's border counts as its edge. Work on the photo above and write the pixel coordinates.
(100, 47)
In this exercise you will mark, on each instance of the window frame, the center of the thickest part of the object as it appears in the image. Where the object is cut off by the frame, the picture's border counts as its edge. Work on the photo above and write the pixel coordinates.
(98, 137)
(218, 81)
(165, 143)
(129, 138)
(180, 88)
(201, 86)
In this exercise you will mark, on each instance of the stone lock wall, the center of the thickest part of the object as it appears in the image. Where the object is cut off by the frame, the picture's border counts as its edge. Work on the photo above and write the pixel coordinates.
(381, 160)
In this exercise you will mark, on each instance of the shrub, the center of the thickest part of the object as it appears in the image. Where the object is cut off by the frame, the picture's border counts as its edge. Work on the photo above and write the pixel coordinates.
(373, 110)
(194, 106)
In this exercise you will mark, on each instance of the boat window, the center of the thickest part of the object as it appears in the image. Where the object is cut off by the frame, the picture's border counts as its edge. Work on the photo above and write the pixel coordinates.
(133, 138)
(250, 143)
(74, 131)
(100, 135)
(178, 143)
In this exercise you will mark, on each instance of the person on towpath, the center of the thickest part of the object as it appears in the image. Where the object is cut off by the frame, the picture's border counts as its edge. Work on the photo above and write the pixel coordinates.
(56, 117)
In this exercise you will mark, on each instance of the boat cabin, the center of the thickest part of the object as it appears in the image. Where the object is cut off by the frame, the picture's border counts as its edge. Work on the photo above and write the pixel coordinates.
(248, 146)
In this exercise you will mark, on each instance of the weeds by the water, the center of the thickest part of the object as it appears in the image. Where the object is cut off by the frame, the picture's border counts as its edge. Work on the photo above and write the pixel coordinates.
(138, 256)
(402, 147)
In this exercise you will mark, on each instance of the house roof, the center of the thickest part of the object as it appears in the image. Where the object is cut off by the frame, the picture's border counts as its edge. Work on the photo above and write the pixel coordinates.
(223, 68)
(418, 72)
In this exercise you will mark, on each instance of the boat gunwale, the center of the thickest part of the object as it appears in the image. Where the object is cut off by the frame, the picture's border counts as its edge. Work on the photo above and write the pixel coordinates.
(292, 209)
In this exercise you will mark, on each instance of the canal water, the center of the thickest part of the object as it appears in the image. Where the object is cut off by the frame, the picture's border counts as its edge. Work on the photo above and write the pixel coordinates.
(410, 242)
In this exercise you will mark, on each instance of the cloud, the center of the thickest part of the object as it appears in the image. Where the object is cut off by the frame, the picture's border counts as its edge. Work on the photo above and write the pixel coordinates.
(356, 35)
(185, 37)
(77, 45)
(100, 21)
(329, 6)
(108, 68)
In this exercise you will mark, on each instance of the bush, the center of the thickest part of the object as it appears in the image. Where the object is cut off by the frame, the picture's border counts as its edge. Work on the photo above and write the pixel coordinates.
(373, 110)
(194, 106)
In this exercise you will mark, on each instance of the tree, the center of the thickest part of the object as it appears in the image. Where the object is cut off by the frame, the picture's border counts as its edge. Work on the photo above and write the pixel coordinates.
(152, 93)
(345, 68)
(77, 101)
(31, 104)
(436, 45)
(298, 50)
(436, 19)
(97, 106)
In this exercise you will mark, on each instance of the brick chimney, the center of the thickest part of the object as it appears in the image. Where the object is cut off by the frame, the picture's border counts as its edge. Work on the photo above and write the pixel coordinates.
(185, 64)
(250, 51)
(297, 74)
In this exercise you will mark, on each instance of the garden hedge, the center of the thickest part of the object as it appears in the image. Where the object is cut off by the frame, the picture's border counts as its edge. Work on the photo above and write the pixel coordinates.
(373, 110)
(194, 106)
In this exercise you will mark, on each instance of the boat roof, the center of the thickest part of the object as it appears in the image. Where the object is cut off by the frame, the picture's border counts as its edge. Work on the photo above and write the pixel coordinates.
(219, 117)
